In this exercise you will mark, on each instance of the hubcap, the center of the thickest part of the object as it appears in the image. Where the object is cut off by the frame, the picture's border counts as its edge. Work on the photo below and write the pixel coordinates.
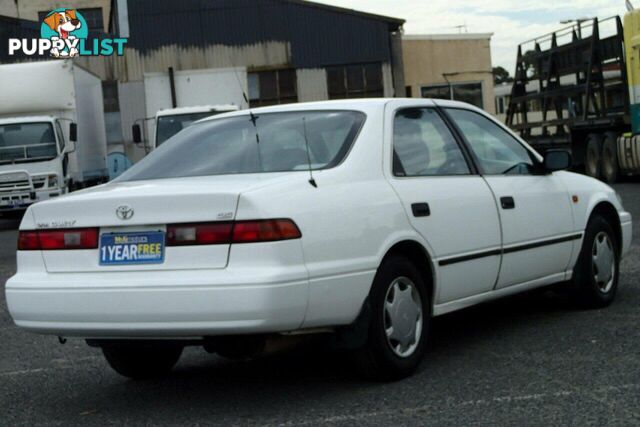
(403, 316)
(604, 262)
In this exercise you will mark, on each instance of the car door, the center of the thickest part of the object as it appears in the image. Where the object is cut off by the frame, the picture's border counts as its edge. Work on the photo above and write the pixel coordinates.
(446, 200)
(535, 207)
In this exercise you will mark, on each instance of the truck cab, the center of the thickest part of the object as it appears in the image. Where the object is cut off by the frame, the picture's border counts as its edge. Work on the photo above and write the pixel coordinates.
(169, 122)
(34, 160)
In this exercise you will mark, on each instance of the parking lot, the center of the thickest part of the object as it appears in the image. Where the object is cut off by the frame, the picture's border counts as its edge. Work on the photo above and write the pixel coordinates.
(532, 359)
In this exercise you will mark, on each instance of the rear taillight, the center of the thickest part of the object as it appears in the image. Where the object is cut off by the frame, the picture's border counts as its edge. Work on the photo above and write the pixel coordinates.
(268, 230)
(64, 239)
(253, 231)
(199, 234)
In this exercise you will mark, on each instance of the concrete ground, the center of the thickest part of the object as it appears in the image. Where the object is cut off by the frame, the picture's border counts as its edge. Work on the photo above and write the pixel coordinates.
(527, 360)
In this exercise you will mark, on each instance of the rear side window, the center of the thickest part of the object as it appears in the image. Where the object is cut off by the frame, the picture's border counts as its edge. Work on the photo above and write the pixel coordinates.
(288, 141)
(424, 146)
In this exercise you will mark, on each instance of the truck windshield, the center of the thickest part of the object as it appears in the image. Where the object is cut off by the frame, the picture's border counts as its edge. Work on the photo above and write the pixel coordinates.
(20, 142)
(170, 125)
(229, 145)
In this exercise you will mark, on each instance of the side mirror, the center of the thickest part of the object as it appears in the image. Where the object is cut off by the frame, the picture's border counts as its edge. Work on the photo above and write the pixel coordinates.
(73, 132)
(137, 133)
(557, 160)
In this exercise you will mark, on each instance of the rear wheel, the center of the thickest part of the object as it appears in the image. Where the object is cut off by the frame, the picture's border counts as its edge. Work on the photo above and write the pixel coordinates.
(142, 360)
(593, 157)
(610, 170)
(595, 276)
(400, 316)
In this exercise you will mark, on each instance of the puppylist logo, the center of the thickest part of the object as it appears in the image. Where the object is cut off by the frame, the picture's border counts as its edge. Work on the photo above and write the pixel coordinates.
(64, 34)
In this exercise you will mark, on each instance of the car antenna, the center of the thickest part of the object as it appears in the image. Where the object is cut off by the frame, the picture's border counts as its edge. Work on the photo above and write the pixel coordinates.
(254, 118)
(306, 141)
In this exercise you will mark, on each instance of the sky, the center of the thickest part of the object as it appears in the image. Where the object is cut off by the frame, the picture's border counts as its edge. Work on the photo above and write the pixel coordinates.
(510, 21)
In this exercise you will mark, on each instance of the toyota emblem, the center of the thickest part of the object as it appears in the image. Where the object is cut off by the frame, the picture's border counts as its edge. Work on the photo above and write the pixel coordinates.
(124, 212)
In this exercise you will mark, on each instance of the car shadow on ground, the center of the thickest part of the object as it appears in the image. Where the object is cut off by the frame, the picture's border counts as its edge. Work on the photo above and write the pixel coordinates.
(315, 364)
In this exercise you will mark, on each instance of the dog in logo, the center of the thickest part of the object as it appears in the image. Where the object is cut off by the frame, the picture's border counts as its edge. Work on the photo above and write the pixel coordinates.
(63, 23)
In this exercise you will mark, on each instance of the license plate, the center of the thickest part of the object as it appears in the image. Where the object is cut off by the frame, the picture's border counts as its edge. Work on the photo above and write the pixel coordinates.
(132, 248)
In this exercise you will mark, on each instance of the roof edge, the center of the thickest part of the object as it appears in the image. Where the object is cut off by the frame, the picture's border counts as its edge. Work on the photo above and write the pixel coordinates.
(464, 36)
(345, 10)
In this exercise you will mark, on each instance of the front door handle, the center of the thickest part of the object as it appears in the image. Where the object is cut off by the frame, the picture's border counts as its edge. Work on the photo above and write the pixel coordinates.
(420, 209)
(507, 202)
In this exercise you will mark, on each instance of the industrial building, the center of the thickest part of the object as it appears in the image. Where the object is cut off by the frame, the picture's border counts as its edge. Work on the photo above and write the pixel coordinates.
(449, 66)
(285, 51)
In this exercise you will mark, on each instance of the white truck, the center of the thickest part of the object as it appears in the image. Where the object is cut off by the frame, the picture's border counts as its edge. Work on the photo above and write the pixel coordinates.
(52, 132)
(174, 100)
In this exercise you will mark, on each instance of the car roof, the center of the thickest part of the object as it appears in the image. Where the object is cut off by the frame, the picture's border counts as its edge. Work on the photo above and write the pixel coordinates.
(358, 104)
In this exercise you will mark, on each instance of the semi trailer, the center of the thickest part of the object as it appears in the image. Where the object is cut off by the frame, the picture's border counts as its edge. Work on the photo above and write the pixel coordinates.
(579, 88)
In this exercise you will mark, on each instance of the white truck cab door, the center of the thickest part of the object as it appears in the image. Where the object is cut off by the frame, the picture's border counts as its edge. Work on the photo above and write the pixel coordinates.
(446, 201)
(535, 208)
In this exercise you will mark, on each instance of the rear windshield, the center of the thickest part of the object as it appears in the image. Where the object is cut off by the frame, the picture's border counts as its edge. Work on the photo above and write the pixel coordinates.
(276, 143)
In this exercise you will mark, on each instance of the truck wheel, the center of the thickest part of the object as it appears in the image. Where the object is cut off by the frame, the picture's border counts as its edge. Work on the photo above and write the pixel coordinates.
(142, 360)
(610, 169)
(400, 316)
(595, 276)
(593, 160)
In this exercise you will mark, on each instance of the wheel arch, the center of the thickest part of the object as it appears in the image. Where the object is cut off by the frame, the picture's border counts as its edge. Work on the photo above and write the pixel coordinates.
(609, 213)
(419, 256)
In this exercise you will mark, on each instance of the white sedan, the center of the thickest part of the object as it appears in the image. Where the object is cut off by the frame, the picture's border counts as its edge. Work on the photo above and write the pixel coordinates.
(363, 218)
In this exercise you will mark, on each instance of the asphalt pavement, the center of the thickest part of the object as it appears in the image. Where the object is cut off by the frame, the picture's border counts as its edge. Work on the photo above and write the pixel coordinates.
(528, 360)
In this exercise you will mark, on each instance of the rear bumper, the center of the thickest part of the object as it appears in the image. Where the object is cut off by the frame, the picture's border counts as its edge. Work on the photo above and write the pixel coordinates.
(626, 228)
(175, 306)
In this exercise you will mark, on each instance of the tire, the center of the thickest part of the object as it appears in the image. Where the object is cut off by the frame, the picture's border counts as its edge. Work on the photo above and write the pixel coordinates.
(610, 168)
(593, 156)
(592, 285)
(397, 284)
(142, 360)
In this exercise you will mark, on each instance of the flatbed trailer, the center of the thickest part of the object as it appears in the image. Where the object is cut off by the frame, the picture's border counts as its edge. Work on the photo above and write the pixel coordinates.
(576, 88)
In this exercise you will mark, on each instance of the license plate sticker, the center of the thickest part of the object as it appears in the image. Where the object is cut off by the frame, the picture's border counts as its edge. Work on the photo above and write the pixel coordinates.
(132, 248)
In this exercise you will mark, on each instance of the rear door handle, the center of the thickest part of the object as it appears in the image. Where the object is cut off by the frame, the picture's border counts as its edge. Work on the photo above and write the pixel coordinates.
(420, 209)
(507, 202)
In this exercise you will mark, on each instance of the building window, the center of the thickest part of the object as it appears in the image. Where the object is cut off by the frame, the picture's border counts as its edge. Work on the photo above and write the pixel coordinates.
(466, 92)
(92, 15)
(272, 87)
(355, 81)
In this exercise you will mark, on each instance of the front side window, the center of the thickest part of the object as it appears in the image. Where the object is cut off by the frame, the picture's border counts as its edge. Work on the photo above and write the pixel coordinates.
(23, 142)
(496, 151)
(290, 141)
(424, 146)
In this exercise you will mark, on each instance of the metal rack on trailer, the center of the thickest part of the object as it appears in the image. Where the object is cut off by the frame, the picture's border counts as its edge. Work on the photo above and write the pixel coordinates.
(572, 89)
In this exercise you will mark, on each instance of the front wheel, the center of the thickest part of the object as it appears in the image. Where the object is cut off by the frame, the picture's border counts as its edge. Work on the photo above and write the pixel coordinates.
(142, 360)
(400, 317)
(595, 276)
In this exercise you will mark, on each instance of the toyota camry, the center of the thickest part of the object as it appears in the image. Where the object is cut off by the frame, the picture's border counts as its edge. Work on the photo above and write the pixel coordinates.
(361, 218)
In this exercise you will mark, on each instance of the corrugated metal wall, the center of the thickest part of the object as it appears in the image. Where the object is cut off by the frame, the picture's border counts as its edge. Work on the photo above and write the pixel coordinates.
(317, 36)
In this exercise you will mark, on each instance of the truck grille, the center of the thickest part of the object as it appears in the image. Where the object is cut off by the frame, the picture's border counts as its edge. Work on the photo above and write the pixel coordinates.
(14, 181)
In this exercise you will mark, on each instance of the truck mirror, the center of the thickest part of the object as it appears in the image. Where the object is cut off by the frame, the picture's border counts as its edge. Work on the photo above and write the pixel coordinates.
(73, 132)
(137, 133)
